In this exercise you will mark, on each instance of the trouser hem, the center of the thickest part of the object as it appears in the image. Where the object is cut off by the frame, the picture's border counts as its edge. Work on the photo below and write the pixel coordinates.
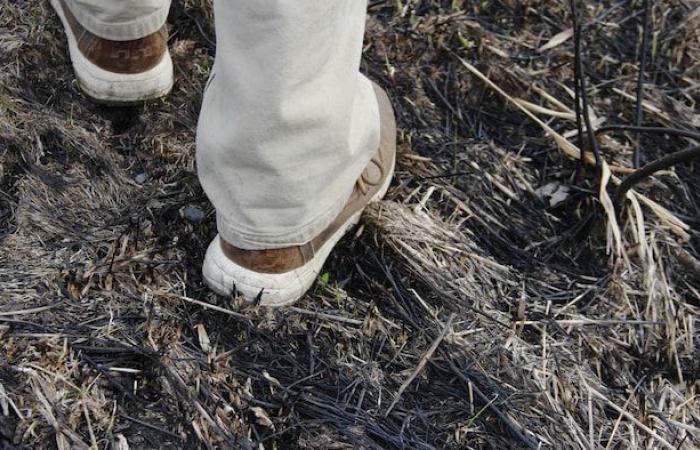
(238, 236)
(121, 31)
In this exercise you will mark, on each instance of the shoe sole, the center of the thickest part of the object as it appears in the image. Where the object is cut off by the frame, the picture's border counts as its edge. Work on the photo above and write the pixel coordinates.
(116, 88)
(274, 290)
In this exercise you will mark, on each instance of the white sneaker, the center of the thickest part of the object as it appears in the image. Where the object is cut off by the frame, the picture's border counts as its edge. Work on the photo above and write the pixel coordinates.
(117, 72)
(279, 277)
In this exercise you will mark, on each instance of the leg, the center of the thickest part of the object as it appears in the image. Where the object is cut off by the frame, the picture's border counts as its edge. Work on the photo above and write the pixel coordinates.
(118, 48)
(288, 125)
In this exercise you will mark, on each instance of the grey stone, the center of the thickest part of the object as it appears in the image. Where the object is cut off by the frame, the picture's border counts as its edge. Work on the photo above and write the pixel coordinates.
(141, 178)
(193, 213)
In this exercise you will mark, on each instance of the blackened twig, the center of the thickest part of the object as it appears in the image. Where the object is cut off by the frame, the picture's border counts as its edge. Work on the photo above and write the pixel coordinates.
(577, 82)
(689, 261)
(660, 130)
(582, 91)
(210, 44)
(515, 428)
(648, 170)
(640, 82)
(112, 381)
(152, 427)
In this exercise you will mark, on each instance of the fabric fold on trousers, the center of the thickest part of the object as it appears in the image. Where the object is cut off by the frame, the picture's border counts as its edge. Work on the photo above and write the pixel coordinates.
(120, 20)
(288, 123)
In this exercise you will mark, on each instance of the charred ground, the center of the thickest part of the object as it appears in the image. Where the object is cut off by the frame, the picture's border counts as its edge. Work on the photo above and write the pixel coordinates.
(547, 337)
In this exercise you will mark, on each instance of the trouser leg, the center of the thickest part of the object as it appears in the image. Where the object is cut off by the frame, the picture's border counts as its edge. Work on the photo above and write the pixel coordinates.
(288, 123)
(120, 20)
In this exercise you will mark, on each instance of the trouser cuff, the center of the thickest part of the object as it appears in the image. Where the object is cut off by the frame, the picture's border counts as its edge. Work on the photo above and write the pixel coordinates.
(121, 29)
(250, 239)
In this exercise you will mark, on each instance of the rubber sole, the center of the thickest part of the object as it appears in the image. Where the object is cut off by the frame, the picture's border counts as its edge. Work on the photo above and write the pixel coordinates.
(274, 290)
(116, 88)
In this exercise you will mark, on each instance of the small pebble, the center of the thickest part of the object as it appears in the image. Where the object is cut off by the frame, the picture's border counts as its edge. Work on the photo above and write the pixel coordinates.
(193, 213)
(141, 178)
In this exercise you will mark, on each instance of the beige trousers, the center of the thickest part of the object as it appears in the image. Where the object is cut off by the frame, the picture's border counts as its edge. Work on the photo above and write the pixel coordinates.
(287, 124)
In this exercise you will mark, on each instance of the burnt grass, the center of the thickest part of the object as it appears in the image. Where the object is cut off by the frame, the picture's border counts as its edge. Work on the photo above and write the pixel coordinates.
(543, 333)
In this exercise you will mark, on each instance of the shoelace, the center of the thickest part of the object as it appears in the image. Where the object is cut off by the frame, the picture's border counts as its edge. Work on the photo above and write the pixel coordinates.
(363, 183)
